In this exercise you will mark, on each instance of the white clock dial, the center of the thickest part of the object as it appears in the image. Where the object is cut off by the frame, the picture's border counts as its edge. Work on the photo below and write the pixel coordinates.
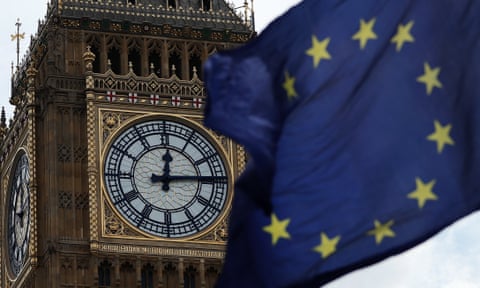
(166, 178)
(19, 215)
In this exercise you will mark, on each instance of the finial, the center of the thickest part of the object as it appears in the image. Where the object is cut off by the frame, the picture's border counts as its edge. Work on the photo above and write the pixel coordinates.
(89, 58)
(3, 118)
(109, 64)
(130, 67)
(3, 123)
(152, 68)
(18, 37)
(174, 70)
(195, 76)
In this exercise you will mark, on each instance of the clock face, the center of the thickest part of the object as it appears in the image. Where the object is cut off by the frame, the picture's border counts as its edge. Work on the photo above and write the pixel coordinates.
(19, 215)
(166, 178)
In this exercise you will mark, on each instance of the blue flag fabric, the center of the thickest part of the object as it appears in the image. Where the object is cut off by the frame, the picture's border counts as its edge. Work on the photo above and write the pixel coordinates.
(362, 124)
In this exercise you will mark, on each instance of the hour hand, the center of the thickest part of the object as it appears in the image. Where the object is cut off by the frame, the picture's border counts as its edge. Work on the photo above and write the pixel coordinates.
(165, 179)
(167, 158)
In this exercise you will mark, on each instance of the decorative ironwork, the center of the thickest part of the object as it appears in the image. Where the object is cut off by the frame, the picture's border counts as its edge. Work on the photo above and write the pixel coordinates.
(65, 200)
(113, 225)
(81, 201)
(64, 153)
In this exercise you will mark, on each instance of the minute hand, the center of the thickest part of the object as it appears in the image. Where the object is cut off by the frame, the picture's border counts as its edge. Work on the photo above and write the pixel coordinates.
(167, 178)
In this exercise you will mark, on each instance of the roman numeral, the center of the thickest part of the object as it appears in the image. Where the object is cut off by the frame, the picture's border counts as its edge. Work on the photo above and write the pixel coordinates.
(164, 139)
(168, 222)
(144, 141)
(168, 218)
(188, 140)
(190, 216)
(203, 160)
(120, 175)
(123, 151)
(203, 201)
(130, 196)
(147, 210)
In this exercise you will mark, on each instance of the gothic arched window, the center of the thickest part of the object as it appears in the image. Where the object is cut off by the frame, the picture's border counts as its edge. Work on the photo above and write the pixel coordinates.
(195, 64)
(175, 61)
(114, 58)
(206, 5)
(172, 4)
(189, 277)
(96, 62)
(147, 276)
(136, 60)
(170, 276)
(104, 270)
(127, 275)
(155, 62)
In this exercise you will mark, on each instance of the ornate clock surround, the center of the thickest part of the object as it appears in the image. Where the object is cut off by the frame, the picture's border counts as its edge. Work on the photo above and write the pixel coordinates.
(18, 218)
(196, 129)
(112, 104)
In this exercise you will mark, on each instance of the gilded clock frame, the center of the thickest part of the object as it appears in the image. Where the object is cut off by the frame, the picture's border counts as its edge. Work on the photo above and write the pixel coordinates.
(188, 120)
(8, 185)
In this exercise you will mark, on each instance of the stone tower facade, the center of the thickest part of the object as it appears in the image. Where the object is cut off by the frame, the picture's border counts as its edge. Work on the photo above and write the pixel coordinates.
(108, 177)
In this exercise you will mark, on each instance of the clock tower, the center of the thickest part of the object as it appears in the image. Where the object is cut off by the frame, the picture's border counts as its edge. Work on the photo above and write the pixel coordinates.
(108, 177)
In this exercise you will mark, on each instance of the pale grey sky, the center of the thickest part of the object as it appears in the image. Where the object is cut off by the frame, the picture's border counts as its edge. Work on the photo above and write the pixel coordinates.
(449, 260)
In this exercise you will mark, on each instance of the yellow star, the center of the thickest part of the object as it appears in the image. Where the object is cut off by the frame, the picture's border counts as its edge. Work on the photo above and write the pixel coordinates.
(278, 229)
(441, 136)
(381, 231)
(423, 192)
(403, 35)
(365, 33)
(327, 246)
(430, 78)
(289, 86)
(319, 50)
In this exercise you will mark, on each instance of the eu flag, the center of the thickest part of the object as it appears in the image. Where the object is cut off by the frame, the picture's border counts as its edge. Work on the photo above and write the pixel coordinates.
(362, 124)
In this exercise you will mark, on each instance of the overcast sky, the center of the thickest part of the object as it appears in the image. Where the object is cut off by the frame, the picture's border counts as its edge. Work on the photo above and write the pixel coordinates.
(449, 260)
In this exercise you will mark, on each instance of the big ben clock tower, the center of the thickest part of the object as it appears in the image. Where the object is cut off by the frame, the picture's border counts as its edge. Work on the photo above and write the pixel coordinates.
(108, 177)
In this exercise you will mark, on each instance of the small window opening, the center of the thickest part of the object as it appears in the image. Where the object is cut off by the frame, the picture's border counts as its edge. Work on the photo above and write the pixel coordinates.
(172, 4)
(114, 57)
(96, 62)
(206, 5)
(155, 60)
(175, 60)
(147, 276)
(104, 274)
(136, 59)
(195, 62)
(189, 277)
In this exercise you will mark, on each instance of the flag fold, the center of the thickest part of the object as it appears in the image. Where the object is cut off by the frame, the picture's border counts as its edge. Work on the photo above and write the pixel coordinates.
(361, 121)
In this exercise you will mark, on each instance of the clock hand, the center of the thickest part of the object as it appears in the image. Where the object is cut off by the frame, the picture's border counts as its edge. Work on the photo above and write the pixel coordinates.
(18, 205)
(167, 158)
(199, 178)
(165, 178)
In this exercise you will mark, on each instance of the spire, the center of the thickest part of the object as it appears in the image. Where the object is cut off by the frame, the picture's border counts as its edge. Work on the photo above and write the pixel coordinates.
(3, 123)
(18, 37)
(3, 119)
